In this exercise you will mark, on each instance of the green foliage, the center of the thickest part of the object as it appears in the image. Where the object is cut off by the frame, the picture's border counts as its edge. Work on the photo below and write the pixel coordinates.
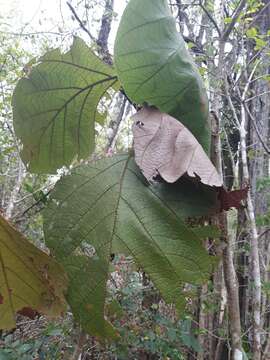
(12, 58)
(107, 205)
(150, 330)
(154, 66)
(47, 344)
(263, 220)
(188, 337)
(252, 32)
(263, 184)
(15, 350)
(260, 40)
(55, 108)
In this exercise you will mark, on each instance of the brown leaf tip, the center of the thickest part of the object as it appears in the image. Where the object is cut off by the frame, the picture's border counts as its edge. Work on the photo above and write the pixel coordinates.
(28, 312)
(232, 199)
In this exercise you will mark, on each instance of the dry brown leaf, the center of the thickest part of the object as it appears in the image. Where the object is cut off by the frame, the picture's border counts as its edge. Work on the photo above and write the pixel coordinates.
(232, 199)
(31, 282)
(164, 146)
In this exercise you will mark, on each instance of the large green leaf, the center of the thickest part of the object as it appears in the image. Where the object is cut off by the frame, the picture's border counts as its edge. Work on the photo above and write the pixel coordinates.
(154, 66)
(108, 205)
(29, 279)
(55, 108)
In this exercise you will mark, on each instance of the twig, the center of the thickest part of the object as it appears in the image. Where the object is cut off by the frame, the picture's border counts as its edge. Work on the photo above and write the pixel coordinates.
(255, 96)
(116, 125)
(247, 66)
(235, 17)
(80, 22)
(209, 332)
(211, 18)
(263, 233)
(79, 347)
(34, 33)
(243, 97)
(231, 105)
(253, 121)
(36, 203)
(258, 15)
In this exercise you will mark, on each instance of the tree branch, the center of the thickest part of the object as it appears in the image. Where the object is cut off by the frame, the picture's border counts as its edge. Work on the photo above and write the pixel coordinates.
(211, 18)
(264, 233)
(80, 22)
(116, 124)
(235, 17)
(104, 32)
(253, 121)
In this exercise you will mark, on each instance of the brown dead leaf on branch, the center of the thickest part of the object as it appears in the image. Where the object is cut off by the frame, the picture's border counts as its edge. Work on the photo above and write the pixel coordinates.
(232, 199)
(164, 146)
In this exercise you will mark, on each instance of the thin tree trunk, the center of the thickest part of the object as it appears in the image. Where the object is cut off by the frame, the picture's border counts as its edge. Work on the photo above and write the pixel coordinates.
(231, 282)
(202, 322)
(115, 123)
(266, 354)
(259, 115)
(82, 337)
(15, 190)
(219, 285)
(255, 261)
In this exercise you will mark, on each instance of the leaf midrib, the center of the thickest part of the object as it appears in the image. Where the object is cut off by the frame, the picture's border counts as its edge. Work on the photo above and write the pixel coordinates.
(89, 87)
(155, 242)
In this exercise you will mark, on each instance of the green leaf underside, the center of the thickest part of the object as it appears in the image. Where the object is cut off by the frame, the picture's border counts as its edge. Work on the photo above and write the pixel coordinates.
(189, 198)
(108, 204)
(154, 66)
(55, 108)
(29, 279)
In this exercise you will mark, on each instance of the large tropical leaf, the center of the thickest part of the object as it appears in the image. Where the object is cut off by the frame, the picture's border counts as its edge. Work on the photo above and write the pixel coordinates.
(109, 206)
(154, 66)
(29, 279)
(55, 108)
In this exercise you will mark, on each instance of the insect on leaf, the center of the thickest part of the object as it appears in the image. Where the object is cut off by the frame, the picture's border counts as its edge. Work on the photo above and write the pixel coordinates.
(30, 281)
(55, 108)
(164, 146)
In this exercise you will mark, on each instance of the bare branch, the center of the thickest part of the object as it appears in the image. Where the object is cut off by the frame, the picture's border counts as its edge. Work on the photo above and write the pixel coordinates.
(80, 22)
(256, 96)
(235, 17)
(243, 97)
(116, 124)
(211, 18)
(258, 15)
(253, 121)
(264, 232)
